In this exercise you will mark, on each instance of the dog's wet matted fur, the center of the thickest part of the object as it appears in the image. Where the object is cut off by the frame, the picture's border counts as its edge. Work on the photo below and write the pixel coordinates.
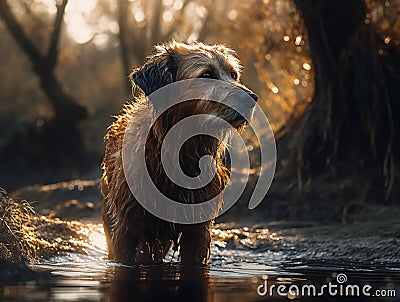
(133, 234)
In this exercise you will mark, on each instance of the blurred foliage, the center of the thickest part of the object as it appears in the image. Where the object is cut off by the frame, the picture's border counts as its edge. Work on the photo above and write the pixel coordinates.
(269, 36)
(385, 15)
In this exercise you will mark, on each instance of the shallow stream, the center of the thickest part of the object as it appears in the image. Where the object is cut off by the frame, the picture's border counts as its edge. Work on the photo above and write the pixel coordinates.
(244, 259)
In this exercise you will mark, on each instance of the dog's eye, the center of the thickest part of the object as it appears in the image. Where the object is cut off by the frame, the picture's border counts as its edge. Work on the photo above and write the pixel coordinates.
(234, 75)
(207, 75)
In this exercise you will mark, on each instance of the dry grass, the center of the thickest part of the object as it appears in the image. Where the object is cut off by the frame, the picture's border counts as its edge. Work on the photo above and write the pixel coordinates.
(26, 237)
(17, 236)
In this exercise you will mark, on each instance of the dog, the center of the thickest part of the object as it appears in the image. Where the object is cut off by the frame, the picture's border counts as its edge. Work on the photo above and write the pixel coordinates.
(133, 234)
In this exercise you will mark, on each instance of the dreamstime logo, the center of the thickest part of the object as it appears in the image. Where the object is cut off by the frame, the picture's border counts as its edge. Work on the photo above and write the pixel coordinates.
(235, 100)
(341, 278)
(310, 290)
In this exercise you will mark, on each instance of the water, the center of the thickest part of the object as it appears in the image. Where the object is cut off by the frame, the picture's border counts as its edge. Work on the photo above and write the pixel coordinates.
(243, 259)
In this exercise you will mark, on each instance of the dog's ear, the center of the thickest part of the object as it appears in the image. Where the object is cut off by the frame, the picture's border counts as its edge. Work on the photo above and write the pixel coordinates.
(158, 71)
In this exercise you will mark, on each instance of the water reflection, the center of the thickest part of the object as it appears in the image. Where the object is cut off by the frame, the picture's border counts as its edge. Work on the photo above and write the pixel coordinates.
(158, 283)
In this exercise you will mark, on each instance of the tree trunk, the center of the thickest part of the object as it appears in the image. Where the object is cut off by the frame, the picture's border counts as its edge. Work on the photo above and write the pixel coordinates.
(123, 6)
(67, 113)
(351, 118)
(56, 150)
(330, 25)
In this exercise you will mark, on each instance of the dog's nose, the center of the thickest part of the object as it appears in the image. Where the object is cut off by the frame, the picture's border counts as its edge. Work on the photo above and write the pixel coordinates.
(253, 95)
(250, 93)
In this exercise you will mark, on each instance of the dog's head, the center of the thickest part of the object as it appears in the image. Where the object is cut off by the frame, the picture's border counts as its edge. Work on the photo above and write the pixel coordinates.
(175, 61)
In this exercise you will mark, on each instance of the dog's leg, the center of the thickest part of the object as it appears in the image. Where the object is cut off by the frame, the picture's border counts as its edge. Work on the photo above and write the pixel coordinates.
(143, 252)
(195, 243)
(152, 250)
(107, 230)
(124, 247)
(160, 250)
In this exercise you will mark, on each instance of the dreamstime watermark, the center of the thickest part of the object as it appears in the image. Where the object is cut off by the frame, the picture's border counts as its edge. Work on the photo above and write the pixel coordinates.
(334, 289)
(236, 101)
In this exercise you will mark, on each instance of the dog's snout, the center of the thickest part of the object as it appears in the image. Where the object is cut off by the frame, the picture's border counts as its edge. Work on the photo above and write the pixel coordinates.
(253, 95)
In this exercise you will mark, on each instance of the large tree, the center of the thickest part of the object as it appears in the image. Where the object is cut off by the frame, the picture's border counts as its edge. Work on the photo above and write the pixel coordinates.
(352, 123)
(68, 113)
(53, 150)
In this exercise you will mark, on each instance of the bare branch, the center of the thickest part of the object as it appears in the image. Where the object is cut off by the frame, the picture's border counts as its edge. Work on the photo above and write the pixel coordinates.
(156, 22)
(52, 53)
(205, 29)
(18, 33)
(123, 6)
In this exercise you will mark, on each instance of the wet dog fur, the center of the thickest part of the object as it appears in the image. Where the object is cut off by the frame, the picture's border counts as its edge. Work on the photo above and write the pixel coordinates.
(133, 234)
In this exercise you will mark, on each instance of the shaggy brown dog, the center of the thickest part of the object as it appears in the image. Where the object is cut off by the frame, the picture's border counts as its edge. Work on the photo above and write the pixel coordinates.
(133, 234)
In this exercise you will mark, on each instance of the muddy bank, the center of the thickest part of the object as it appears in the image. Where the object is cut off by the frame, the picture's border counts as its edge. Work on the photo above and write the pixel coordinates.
(26, 236)
(368, 235)
(364, 240)
(81, 199)
(366, 243)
